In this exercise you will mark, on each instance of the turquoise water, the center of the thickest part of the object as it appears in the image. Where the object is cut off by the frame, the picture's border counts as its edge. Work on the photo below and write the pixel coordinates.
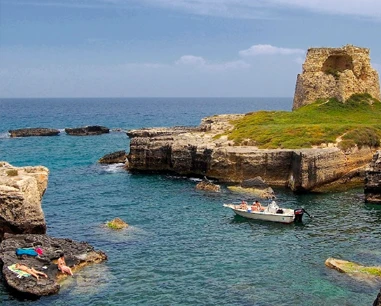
(182, 246)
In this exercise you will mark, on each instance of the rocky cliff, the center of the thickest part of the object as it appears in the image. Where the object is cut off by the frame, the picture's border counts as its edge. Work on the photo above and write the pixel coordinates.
(200, 151)
(21, 191)
(336, 72)
(373, 180)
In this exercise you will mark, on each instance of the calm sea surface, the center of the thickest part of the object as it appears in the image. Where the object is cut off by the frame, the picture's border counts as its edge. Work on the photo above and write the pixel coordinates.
(182, 246)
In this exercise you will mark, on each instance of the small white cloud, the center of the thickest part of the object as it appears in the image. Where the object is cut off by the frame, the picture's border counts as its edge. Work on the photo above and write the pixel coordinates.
(191, 60)
(269, 50)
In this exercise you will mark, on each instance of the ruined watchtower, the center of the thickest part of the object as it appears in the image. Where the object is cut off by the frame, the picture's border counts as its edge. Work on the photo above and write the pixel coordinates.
(335, 73)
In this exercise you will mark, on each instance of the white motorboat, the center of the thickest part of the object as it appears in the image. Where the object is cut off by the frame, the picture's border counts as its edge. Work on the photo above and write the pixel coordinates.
(272, 212)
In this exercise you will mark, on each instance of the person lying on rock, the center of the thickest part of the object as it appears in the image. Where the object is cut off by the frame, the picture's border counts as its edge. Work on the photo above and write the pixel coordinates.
(31, 271)
(62, 265)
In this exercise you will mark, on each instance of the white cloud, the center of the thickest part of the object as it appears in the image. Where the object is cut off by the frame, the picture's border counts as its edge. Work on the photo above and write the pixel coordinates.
(190, 60)
(269, 50)
(200, 62)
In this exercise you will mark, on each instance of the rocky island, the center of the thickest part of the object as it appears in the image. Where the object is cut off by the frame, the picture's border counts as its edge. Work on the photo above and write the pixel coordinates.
(23, 227)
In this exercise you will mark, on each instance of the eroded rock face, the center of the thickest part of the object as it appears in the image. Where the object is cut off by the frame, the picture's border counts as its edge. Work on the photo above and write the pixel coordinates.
(77, 255)
(114, 158)
(198, 152)
(335, 73)
(372, 188)
(21, 191)
(207, 185)
(27, 132)
(87, 130)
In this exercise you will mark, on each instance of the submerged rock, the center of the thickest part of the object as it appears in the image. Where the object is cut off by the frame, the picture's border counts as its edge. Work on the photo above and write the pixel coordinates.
(21, 191)
(87, 130)
(77, 255)
(256, 186)
(27, 132)
(114, 158)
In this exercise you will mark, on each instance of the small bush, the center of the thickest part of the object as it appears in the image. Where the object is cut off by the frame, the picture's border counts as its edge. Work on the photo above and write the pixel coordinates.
(12, 172)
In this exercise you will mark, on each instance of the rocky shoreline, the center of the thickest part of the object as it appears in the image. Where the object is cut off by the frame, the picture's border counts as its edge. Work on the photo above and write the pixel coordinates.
(23, 226)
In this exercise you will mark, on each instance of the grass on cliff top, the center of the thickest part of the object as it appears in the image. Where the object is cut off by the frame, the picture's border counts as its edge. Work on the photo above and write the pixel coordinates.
(357, 122)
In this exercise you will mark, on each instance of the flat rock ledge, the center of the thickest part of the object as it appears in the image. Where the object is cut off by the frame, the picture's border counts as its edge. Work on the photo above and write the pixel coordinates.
(77, 255)
(28, 132)
(353, 269)
(87, 130)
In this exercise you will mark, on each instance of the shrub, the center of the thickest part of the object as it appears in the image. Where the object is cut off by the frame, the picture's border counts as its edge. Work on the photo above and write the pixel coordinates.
(12, 172)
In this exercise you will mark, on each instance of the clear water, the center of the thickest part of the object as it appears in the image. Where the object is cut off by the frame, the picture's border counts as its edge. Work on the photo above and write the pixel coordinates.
(182, 246)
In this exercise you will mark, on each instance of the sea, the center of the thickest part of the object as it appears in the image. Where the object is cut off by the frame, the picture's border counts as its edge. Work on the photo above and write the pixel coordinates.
(182, 247)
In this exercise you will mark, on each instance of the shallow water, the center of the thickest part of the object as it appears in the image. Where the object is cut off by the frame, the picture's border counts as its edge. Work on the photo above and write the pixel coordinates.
(182, 246)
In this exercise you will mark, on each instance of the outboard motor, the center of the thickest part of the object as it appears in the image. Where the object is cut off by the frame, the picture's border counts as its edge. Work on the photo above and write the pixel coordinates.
(298, 215)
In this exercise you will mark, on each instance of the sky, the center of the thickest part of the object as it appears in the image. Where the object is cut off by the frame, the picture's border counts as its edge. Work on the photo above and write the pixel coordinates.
(173, 48)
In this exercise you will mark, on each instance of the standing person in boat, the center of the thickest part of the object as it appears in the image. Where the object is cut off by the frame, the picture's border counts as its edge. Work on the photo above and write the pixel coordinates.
(62, 265)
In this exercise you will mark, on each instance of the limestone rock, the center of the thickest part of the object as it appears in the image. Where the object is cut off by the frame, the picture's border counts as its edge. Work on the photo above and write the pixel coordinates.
(201, 152)
(207, 185)
(21, 191)
(87, 130)
(117, 223)
(27, 132)
(114, 158)
(335, 73)
(372, 188)
(256, 186)
(77, 255)
(353, 269)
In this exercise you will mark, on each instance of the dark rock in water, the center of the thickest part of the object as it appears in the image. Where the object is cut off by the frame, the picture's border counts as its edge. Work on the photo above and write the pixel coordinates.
(77, 255)
(377, 301)
(87, 130)
(372, 188)
(114, 158)
(28, 132)
(208, 186)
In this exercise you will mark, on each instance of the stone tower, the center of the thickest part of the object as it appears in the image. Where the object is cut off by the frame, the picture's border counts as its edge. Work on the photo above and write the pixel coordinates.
(335, 73)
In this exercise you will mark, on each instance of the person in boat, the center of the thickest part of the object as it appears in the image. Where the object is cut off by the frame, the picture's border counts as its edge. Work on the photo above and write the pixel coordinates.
(243, 205)
(32, 271)
(257, 206)
(62, 265)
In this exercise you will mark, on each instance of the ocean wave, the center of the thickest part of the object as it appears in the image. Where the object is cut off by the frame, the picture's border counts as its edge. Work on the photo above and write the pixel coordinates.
(4, 135)
(113, 168)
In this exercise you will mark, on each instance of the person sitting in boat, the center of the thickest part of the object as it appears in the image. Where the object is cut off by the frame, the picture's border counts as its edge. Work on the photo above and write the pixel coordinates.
(257, 206)
(243, 205)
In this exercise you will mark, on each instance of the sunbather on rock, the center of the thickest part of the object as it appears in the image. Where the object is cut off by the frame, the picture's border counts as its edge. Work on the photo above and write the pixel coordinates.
(31, 271)
(62, 265)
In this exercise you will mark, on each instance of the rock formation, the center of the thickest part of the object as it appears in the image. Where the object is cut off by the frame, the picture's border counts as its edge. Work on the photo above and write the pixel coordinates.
(256, 186)
(335, 73)
(377, 301)
(21, 191)
(77, 255)
(114, 158)
(87, 130)
(33, 132)
(373, 180)
(207, 185)
(117, 223)
(199, 152)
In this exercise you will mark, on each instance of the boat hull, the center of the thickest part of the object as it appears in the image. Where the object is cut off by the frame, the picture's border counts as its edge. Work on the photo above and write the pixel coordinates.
(288, 215)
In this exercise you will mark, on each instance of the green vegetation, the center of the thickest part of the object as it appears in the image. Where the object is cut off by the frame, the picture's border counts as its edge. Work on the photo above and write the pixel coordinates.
(351, 267)
(12, 172)
(357, 122)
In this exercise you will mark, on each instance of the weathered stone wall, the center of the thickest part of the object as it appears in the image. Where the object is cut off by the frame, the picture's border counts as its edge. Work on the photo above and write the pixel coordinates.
(335, 72)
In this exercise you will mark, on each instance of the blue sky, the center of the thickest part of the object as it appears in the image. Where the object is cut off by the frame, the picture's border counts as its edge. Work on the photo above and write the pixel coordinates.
(172, 48)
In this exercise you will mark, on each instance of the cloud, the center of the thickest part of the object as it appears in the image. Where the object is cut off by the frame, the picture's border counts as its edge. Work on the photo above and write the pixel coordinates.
(269, 50)
(200, 62)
